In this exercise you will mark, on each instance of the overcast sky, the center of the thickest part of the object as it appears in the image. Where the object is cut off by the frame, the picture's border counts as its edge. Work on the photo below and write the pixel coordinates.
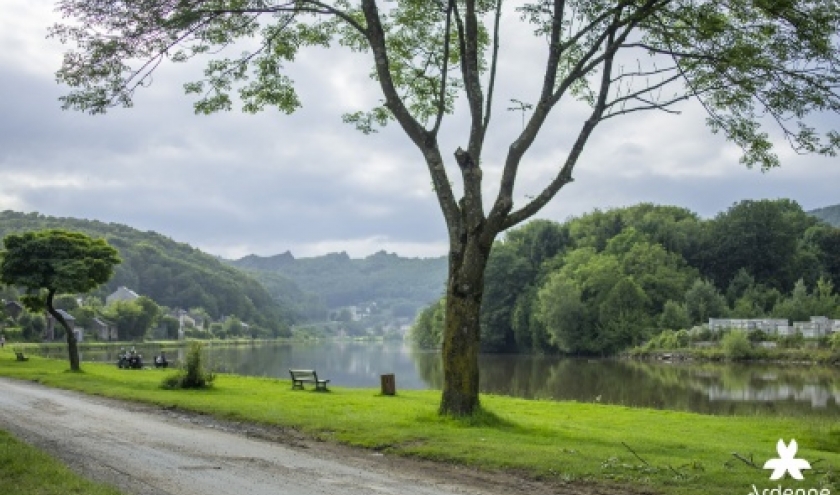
(233, 184)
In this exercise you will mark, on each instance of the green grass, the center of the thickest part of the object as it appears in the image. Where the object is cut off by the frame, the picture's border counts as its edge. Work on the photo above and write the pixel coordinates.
(25, 470)
(640, 449)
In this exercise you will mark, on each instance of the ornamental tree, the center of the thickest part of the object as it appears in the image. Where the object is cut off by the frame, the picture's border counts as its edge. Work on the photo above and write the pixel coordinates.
(51, 262)
(750, 63)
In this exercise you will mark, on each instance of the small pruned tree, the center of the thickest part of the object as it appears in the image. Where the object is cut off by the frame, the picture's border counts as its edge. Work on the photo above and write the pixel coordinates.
(193, 373)
(49, 262)
(748, 62)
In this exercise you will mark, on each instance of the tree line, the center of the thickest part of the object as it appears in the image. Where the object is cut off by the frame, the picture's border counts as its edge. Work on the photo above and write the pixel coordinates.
(610, 280)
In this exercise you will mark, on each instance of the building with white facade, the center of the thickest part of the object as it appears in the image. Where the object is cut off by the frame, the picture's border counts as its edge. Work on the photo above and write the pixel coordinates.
(819, 326)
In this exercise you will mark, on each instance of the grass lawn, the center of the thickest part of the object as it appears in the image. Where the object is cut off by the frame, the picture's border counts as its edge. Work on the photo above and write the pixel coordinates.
(642, 449)
(25, 470)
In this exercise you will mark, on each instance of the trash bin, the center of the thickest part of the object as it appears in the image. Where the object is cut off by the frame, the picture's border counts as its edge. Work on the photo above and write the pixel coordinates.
(389, 384)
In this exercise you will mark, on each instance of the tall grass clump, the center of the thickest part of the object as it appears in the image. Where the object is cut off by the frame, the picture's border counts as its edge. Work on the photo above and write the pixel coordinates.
(192, 374)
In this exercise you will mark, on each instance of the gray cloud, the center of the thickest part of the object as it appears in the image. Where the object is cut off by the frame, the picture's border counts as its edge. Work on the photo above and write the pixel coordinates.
(234, 184)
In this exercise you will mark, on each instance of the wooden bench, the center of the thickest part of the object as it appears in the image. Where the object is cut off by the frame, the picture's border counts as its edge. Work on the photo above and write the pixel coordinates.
(20, 356)
(299, 377)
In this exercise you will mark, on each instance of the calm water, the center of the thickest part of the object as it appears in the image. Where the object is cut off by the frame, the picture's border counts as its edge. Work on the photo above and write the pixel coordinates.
(700, 387)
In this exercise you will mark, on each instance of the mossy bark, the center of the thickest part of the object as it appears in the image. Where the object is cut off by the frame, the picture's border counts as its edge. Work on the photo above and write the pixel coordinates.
(462, 332)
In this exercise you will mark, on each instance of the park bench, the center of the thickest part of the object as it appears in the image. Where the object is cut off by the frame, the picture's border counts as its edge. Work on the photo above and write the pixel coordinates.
(299, 377)
(21, 356)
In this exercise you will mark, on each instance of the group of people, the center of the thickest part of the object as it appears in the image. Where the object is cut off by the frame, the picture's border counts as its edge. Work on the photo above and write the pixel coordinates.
(129, 359)
(132, 360)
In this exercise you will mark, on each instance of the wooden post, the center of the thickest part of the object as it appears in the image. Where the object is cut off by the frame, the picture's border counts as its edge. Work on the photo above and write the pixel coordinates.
(389, 384)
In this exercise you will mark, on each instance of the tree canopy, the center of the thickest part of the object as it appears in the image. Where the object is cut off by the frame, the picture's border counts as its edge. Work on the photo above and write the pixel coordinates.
(624, 275)
(49, 262)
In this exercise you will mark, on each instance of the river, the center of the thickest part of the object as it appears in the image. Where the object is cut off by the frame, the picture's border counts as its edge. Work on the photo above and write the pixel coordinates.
(709, 388)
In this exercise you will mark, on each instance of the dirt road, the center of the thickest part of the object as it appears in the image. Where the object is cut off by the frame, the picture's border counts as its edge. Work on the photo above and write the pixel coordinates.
(150, 451)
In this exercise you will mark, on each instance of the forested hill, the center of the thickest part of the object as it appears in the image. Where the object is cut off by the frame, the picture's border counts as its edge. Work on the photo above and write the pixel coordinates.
(342, 281)
(829, 214)
(610, 280)
(173, 274)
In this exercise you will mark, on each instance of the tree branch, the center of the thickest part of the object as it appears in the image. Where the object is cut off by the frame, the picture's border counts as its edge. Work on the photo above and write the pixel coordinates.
(472, 207)
(488, 107)
(425, 141)
(564, 176)
(443, 74)
(294, 7)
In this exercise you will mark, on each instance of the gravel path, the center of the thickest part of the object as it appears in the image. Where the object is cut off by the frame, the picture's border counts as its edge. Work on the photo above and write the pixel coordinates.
(145, 450)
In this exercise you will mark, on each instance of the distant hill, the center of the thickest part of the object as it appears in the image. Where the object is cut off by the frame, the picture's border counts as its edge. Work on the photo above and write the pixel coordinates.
(175, 274)
(829, 214)
(385, 278)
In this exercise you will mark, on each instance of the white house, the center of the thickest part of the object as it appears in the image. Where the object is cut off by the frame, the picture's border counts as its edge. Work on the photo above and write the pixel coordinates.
(121, 294)
(819, 326)
(767, 325)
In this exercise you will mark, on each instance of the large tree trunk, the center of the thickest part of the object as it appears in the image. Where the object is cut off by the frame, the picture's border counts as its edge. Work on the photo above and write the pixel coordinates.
(461, 335)
(72, 345)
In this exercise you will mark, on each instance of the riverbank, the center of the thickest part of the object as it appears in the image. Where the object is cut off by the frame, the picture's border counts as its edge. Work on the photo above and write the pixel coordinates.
(640, 450)
(822, 357)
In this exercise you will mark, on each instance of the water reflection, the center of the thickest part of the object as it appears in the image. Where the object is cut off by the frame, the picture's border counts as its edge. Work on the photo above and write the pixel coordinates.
(700, 387)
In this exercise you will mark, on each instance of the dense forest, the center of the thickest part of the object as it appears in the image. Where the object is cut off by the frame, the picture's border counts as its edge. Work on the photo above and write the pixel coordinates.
(403, 284)
(175, 274)
(609, 280)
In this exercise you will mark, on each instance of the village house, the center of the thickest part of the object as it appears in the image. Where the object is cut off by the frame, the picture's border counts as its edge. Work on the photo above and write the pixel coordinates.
(121, 294)
(105, 331)
(185, 321)
(819, 326)
(13, 309)
(49, 334)
(766, 325)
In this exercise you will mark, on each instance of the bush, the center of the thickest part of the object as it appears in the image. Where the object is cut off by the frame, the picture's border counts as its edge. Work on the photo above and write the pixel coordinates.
(835, 341)
(195, 333)
(13, 334)
(683, 339)
(702, 335)
(192, 374)
(736, 345)
(667, 340)
(215, 329)
(794, 341)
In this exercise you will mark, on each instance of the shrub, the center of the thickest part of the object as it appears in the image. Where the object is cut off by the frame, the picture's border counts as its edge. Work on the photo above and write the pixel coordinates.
(215, 329)
(13, 334)
(667, 340)
(736, 345)
(794, 341)
(835, 341)
(701, 334)
(683, 339)
(195, 333)
(192, 374)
